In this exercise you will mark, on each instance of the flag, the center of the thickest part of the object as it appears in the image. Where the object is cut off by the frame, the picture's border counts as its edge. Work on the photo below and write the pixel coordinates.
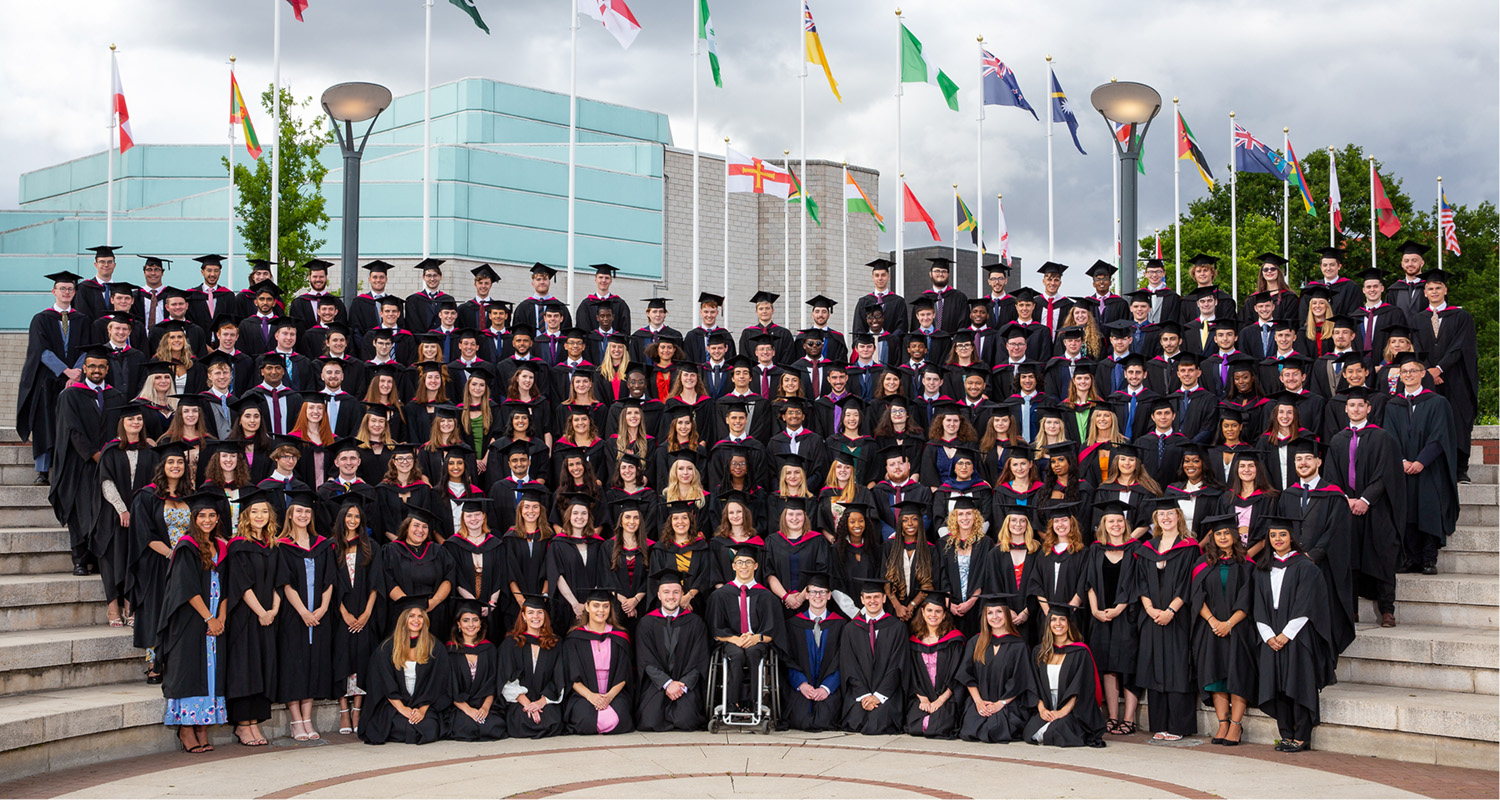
(1334, 200)
(966, 222)
(1062, 112)
(1187, 148)
(1296, 176)
(814, 49)
(753, 176)
(1389, 224)
(796, 197)
(706, 31)
(1004, 235)
(1158, 246)
(126, 140)
(1122, 135)
(1448, 231)
(999, 83)
(614, 14)
(239, 114)
(856, 202)
(916, 213)
(469, 7)
(915, 69)
(298, 6)
(1252, 155)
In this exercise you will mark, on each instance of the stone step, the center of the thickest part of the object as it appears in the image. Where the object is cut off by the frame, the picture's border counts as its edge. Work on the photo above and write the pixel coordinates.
(39, 602)
(58, 658)
(25, 507)
(34, 551)
(1483, 473)
(1417, 613)
(56, 730)
(1479, 515)
(1462, 600)
(1424, 657)
(1474, 539)
(11, 454)
(1478, 494)
(1393, 723)
(1458, 561)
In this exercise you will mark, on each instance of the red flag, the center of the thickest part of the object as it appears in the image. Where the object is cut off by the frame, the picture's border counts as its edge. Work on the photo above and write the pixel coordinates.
(298, 6)
(1389, 224)
(126, 140)
(916, 213)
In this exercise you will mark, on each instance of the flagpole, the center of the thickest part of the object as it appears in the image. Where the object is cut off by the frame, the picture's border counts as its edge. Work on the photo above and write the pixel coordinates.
(427, 134)
(845, 298)
(900, 176)
(109, 154)
(1332, 176)
(697, 26)
(1234, 212)
(1286, 195)
(1051, 101)
(1115, 196)
(1000, 256)
(806, 193)
(724, 306)
(1441, 243)
(979, 180)
(786, 240)
(228, 276)
(955, 232)
(1176, 197)
(573, 141)
(1373, 243)
(276, 144)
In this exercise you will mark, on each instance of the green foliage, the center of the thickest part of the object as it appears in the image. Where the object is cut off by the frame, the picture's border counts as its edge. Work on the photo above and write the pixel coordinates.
(303, 217)
(1206, 229)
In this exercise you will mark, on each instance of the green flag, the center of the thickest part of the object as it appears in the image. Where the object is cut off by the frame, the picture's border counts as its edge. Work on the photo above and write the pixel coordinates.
(915, 69)
(796, 197)
(473, 12)
(706, 32)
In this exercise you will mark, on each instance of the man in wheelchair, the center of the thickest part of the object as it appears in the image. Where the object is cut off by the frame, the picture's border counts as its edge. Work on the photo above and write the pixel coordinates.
(746, 619)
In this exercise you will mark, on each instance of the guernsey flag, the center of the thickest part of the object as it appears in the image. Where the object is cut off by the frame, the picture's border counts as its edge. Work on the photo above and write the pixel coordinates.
(239, 114)
(856, 202)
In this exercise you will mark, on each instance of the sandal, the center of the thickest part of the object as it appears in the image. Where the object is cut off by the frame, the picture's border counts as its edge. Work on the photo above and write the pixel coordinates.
(301, 737)
(1167, 737)
(1112, 727)
(116, 622)
(1234, 742)
(1127, 728)
(202, 748)
(345, 729)
(252, 742)
(1219, 739)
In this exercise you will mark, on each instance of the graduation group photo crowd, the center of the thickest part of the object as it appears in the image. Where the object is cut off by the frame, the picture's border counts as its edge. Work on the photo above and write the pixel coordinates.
(1010, 517)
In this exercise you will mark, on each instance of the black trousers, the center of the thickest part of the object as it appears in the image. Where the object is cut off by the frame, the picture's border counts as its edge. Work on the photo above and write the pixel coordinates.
(1382, 592)
(742, 663)
(1172, 712)
(1421, 549)
(1293, 719)
(80, 544)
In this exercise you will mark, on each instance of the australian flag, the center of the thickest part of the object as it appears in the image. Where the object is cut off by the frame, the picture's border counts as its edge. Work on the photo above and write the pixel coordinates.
(1062, 112)
(1000, 87)
(1252, 155)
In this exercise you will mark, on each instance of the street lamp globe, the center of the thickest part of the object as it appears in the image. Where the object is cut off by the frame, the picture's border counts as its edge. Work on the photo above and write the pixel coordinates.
(1126, 102)
(356, 101)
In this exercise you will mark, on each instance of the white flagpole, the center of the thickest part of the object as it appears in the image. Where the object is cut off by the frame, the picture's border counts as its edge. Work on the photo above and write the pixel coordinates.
(1373, 265)
(955, 232)
(900, 176)
(1050, 102)
(227, 279)
(697, 26)
(573, 140)
(427, 134)
(786, 241)
(1234, 219)
(1000, 235)
(979, 181)
(1332, 176)
(724, 307)
(109, 155)
(1441, 241)
(276, 144)
(1115, 196)
(1286, 198)
(845, 299)
(1176, 195)
(802, 177)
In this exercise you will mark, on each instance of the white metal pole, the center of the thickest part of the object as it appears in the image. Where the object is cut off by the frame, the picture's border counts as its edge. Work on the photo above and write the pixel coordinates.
(1373, 243)
(1286, 198)
(724, 307)
(1115, 228)
(1176, 195)
(426, 134)
(1051, 240)
(802, 177)
(109, 156)
(573, 139)
(697, 26)
(227, 278)
(1234, 210)
(900, 176)
(1333, 173)
(1000, 237)
(276, 144)
(786, 243)
(954, 273)
(979, 180)
(845, 213)
(1441, 242)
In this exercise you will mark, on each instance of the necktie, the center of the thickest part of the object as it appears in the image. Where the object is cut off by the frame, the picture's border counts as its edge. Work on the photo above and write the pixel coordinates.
(1307, 494)
(99, 398)
(1118, 377)
(265, 328)
(212, 304)
(1026, 418)
(1223, 370)
(939, 308)
(1353, 449)
(744, 609)
(872, 633)
(765, 382)
(818, 632)
(1265, 338)
(864, 385)
(1130, 416)
(1203, 334)
(65, 330)
(151, 310)
(1161, 449)
(1435, 321)
(1369, 329)
(277, 425)
(1049, 314)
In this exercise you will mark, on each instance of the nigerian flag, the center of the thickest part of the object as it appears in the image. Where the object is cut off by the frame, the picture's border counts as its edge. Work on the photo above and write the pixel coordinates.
(915, 69)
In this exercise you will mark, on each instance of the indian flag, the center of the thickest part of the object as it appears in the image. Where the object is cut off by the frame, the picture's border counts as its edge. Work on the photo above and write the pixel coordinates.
(706, 32)
(915, 69)
(855, 202)
(239, 114)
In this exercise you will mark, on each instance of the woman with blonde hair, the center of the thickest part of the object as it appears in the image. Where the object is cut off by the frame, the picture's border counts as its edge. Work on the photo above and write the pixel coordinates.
(157, 395)
(1317, 328)
(998, 677)
(252, 564)
(1082, 401)
(682, 435)
(791, 482)
(432, 388)
(1163, 665)
(1128, 482)
(408, 682)
(841, 486)
(1103, 433)
(962, 555)
(614, 367)
(1012, 564)
(375, 443)
(173, 348)
(1109, 586)
(1080, 316)
(1067, 695)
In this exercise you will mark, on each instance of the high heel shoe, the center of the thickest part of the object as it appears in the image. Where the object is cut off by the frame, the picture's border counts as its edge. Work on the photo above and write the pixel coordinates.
(1219, 739)
(301, 737)
(1227, 742)
(345, 729)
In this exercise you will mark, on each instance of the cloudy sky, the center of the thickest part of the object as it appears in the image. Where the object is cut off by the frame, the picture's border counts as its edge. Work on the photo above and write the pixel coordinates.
(1416, 84)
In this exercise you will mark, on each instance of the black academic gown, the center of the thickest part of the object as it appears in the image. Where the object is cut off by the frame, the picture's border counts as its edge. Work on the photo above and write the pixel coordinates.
(111, 542)
(84, 424)
(36, 398)
(1425, 429)
(670, 649)
(536, 678)
(1298, 671)
(951, 651)
(1326, 524)
(304, 655)
(790, 561)
(1115, 643)
(1164, 662)
(385, 682)
(480, 574)
(1374, 536)
(251, 647)
(577, 666)
(813, 660)
(472, 684)
(416, 572)
(581, 568)
(1230, 659)
(1078, 680)
(351, 592)
(182, 652)
(1455, 350)
(879, 669)
(1005, 674)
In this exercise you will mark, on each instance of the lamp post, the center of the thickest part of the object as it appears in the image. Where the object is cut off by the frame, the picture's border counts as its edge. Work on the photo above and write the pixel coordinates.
(1134, 104)
(349, 103)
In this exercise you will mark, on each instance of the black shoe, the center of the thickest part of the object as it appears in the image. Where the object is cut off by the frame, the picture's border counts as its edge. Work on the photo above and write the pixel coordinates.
(1097, 743)
(1409, 568)
(1429, 569)
(80, 570)
(1282, 745)
(41, 480)
(153, 680)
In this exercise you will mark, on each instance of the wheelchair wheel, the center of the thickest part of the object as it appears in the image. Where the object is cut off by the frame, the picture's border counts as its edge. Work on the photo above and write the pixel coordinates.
(710, 695)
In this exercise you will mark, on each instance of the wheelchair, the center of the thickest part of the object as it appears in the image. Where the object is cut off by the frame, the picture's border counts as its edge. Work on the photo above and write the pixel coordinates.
(764, 686)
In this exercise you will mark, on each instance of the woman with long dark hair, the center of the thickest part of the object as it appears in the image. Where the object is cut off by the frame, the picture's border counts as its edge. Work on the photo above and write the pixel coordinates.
(356, 568)
(1250, 499)
(474, 668)
(304, 643)
(629, 550)
(934, 657)
(1223, 636)
(528, 680)
(910, 565)
(191, 650)
(1109, 586)
(159, 516)
(126, 464)
(1067, 686)
(1296, 657)
(253, 570)
(416, 566)
(998, 678)
(409, 687)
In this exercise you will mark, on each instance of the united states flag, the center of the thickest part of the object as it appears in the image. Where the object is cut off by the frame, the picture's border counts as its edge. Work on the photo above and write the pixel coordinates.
(1446, 227)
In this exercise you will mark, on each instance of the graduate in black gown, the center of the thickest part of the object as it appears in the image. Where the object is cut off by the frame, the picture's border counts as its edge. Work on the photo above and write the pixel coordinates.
(126, 465)
(1164, 660)
(745, 618)
(416, 565)
(1067, 687)
(934, 657)
(408, 681)
(1109, 588)
(596, 668)
(1324, 522)
(529, 678)
(304, 633)
(1364, 461)
(356, 629)
(576, 560)
(477, 713)
(479, 569)
(253, 571)
(190, 653)
(872, 664)
(85, 422)
(812, 646)
(1223, 633)
(1428, 439)
(1295, 656)
(671, 661)
(997, 676)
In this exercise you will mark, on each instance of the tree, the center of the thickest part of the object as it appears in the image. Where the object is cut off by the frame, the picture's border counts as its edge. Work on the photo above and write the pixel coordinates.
(302, 214)
(1206, 229)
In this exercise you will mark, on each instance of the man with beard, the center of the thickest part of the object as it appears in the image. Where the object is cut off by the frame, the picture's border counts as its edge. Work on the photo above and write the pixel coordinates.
(1365, 462)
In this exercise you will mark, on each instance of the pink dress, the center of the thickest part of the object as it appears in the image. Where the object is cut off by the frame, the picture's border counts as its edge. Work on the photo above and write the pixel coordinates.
(929, 660)
(608, 719)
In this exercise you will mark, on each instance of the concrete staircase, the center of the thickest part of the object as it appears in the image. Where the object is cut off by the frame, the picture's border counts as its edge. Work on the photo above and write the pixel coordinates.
(72, 694)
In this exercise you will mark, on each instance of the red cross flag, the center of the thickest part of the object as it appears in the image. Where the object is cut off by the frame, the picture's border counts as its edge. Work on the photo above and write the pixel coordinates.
(751, 175)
